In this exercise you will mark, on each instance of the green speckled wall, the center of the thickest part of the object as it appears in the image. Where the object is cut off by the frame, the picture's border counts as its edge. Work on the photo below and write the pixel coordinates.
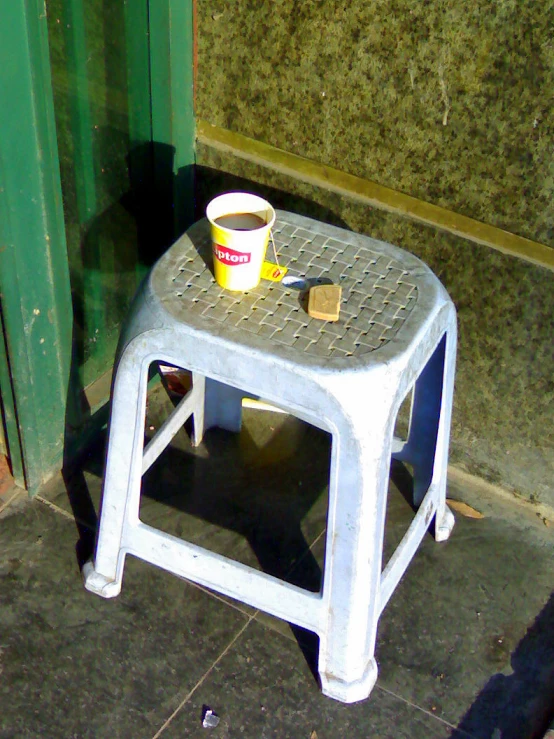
(367, 86)
(451, 103)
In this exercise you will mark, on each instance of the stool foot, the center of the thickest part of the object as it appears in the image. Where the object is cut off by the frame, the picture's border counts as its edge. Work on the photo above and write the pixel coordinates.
(99, 584)
(444, 523)
(350, 692)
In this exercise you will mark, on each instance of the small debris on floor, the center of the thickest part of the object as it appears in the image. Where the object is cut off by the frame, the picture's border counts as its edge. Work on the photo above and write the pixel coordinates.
(463, 509)
(209, 719)
(176, 380)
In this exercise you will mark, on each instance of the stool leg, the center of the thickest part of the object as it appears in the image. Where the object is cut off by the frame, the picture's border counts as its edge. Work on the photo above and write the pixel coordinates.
(357, 508)
(427, 446)
(444, 518)
(222, 408)
(123, 476)
(199, 389)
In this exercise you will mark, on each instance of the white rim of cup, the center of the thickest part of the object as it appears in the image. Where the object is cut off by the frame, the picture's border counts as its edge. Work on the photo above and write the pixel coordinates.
(248, 203)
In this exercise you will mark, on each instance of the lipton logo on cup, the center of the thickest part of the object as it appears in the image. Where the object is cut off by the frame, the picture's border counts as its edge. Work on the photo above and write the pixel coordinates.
(230, 256)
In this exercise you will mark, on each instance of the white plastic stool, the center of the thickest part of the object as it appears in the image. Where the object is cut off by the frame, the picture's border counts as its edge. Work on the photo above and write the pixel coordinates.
(396, 333)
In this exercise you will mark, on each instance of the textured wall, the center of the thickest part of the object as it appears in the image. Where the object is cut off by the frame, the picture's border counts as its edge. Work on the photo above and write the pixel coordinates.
(367, 86)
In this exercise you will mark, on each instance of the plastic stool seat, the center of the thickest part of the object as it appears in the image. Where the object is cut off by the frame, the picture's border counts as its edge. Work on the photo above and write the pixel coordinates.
(396, 334)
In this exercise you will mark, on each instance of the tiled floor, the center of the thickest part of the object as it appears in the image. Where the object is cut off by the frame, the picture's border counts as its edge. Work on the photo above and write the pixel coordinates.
(465, 647)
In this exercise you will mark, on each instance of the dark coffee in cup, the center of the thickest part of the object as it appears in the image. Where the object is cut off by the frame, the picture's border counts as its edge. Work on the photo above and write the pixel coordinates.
(240, 221)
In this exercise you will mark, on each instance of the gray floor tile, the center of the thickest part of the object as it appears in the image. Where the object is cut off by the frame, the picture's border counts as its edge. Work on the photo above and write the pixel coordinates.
(75, 665)
(259, 497)
(261, 504)
(264, 688)
(468, 636)
(469, 631)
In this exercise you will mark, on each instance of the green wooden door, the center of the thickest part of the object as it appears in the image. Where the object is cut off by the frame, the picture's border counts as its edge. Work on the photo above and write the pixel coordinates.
(96, 158)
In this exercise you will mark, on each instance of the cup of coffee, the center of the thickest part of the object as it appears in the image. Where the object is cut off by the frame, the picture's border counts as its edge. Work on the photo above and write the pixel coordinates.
(240, 225)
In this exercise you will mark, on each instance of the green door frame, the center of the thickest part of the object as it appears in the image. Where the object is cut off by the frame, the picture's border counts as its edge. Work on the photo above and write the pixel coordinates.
(34, 278)
(172, 24)
(35, 294)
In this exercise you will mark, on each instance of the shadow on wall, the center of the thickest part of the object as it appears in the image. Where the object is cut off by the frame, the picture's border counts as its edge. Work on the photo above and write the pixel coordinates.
(119, 245)
(212, 182)
(520, 705)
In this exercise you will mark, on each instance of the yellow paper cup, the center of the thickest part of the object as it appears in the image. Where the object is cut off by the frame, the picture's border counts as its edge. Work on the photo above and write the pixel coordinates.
(240, 226)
